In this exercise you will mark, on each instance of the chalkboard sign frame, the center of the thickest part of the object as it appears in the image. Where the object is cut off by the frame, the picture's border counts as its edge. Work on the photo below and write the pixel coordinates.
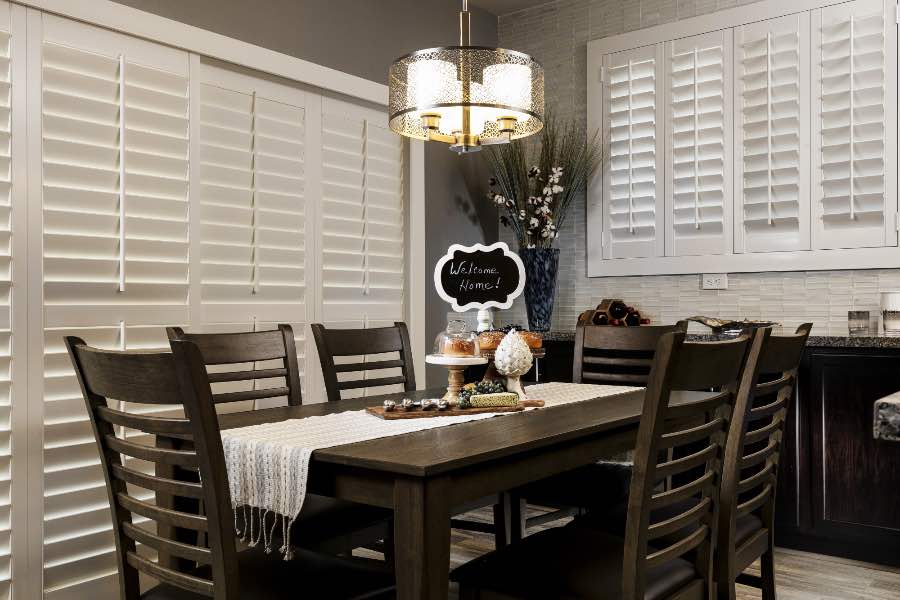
(474, 249)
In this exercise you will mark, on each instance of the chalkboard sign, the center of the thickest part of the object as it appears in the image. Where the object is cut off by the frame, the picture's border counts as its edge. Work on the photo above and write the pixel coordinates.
(479, 276)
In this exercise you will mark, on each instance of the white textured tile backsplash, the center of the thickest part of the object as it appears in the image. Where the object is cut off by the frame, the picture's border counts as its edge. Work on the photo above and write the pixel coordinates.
(557, 33)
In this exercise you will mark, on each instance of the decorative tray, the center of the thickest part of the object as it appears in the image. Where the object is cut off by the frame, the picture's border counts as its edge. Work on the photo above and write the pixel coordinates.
(453, 411)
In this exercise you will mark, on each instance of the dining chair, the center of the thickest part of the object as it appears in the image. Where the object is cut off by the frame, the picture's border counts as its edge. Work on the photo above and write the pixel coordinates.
(359, 344)
(325, 524)
(750, 474)
(659, 557)
(117, 387)
(603, 355)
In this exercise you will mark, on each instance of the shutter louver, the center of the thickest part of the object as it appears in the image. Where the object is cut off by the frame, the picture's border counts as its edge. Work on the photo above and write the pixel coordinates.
(252, 199)
(114, 117)
(772, 69)
(856, 110)
(362, 217)
(633, 174)
(698, 186)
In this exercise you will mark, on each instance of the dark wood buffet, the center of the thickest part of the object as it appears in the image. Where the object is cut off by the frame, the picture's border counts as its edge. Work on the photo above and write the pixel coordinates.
(839, 487)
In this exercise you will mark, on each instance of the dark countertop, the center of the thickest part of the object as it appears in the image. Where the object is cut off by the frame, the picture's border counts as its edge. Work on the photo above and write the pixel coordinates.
(818, 341)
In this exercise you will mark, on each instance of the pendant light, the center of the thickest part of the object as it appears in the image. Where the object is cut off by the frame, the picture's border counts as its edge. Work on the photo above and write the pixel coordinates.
(466, 96)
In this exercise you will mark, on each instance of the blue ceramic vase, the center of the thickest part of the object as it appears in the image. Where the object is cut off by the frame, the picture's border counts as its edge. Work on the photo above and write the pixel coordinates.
(541, 266)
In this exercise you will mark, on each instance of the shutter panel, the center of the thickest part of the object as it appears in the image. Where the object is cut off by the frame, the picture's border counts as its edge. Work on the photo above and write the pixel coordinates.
(363, 220)
(252, 206)
(698, 145)
(252, 203)
(8, 337)
(772, 82)
(633, 170)
(855, 50)
(114, 116)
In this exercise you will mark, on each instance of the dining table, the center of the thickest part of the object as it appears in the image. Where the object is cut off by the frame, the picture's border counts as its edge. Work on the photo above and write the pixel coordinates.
(424, 476)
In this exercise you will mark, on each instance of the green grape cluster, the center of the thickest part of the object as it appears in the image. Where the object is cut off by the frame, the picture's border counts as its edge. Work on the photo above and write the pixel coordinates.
(482, 387)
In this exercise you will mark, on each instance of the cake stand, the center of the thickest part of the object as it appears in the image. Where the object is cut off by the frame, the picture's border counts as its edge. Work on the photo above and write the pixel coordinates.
(456, 367)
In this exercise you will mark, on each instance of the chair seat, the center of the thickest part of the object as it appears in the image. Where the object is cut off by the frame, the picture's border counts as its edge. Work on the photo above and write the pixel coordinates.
(566, 562)
(613, 521)
(593, 487)
(307, 575)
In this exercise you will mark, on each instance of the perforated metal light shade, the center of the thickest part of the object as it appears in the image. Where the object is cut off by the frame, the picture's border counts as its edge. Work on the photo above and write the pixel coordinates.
(466, 96)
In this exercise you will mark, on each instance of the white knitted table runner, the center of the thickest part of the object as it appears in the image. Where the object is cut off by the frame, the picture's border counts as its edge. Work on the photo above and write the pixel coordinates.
(268, 464)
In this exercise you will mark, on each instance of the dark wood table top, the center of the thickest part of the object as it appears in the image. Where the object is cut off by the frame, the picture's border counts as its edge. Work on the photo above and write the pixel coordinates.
(443, 449)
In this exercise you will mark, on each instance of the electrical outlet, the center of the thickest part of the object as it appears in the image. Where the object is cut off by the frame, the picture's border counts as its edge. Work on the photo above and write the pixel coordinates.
(714, 281)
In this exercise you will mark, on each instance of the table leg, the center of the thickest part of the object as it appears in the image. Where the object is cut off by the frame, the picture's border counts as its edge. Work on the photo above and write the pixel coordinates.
(421, 538)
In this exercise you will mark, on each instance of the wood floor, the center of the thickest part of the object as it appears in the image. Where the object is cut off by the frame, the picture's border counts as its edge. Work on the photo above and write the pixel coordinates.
(800, 575)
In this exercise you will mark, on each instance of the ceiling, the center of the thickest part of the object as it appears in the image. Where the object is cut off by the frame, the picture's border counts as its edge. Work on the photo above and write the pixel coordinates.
(502, 7)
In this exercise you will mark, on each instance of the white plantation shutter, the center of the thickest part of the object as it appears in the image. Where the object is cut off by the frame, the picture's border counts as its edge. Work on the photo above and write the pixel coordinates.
(363, 217)
(252, 208)
(698, 145)
(855, 116)
(252, 197)
(633, 217)
(772, 82)
(114, 113)
(8, 337)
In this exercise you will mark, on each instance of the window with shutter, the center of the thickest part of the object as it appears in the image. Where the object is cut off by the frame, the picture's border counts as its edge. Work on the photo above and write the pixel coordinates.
(772, 83)
(698, 145)
(855, 89)
(363, 216)
(633, 170)
(114, 115)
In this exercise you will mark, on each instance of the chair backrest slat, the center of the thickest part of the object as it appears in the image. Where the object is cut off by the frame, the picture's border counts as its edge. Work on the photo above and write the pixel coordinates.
(750, 472)
(681, 440)
(362, 343)
(240, 348)
(117, 384)
(617, 355)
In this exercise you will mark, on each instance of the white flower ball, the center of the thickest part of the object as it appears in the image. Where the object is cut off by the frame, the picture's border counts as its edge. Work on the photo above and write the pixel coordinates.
(512, 357)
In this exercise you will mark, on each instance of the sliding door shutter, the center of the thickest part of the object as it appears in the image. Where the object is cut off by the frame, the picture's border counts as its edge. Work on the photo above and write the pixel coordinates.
(773, 178)
(855, 117)
(698, 145)
(252, 204)
(114, 114)
(633, 172)
(363, 223)
(9, 337)
(363, 216)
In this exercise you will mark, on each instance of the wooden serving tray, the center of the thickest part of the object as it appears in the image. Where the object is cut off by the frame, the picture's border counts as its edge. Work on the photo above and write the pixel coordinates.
(453, 411)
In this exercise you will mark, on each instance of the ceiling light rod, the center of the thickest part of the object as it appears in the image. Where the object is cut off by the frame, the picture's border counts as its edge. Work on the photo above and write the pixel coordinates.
(466, 96)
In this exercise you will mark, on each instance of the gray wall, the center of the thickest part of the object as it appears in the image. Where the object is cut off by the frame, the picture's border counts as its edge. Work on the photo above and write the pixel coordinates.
(557, 33)
(362, 37)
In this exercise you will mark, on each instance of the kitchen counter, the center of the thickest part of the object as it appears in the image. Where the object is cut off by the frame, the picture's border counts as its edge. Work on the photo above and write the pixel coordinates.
(817, 341)
(887, 418)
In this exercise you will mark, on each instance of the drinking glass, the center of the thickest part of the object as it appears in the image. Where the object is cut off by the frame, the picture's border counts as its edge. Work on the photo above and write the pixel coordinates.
(858, 322)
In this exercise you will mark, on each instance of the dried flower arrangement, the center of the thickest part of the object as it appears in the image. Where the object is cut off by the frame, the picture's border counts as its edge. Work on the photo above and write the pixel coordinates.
(537, 197)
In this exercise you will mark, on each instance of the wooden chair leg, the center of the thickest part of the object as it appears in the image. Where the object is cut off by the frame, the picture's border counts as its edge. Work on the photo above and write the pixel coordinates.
(767, 568)
(389, 546)
(502, 525)
(518, 511)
